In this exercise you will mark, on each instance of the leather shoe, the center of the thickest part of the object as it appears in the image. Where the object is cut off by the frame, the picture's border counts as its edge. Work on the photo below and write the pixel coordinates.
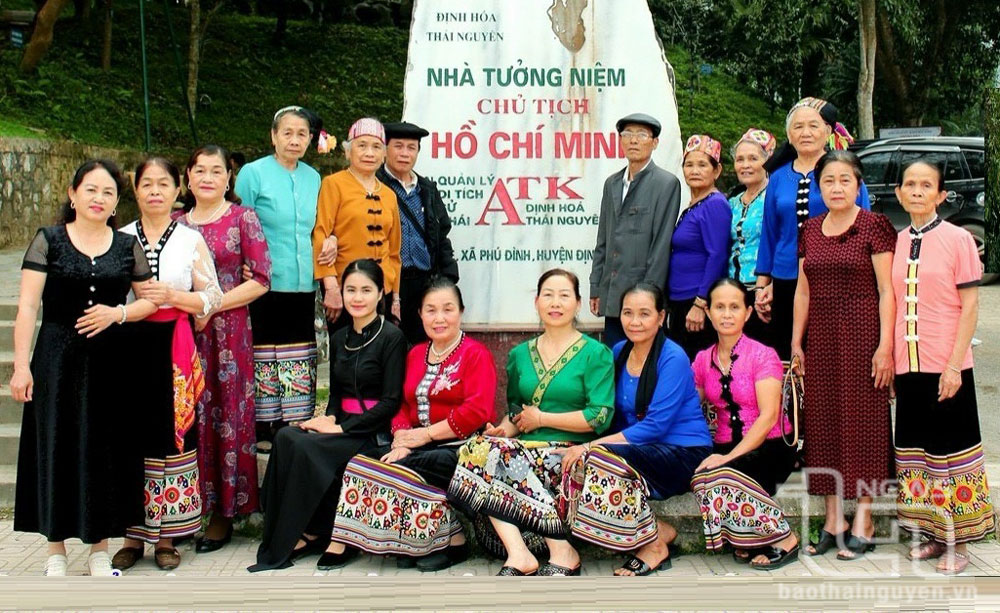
(207, 545)
(126, 557)
(167, 559)
(330, 561)
(440, 560)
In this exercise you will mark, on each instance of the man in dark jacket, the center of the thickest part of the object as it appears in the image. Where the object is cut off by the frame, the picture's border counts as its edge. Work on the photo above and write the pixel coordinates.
(425, 250)
(638, 212)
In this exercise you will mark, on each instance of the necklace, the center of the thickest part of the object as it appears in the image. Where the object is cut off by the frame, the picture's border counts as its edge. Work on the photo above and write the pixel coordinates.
(153, 251)
(211, 217)
(748, 201)
(549, 364)
(449, 348)
(368, 342)
(374, 190)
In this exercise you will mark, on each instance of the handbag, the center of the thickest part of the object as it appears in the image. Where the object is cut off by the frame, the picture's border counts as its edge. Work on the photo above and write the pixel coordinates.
(570, 490)
(792, 403)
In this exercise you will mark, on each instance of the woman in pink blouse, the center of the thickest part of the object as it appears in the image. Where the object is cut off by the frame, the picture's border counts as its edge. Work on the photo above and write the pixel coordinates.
(741, 381)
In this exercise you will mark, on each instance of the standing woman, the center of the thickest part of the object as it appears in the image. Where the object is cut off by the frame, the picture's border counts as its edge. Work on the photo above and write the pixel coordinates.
(357, 217)
(282, 190)
(749, 155)
(661, 437)
(844, 303)
(792, 197)
(943, 494)
(560, 391)
(700, 247)
(74, 480)
(306, 469)
(448, 394)
(226, 456)
(170, 378)
(740, 379)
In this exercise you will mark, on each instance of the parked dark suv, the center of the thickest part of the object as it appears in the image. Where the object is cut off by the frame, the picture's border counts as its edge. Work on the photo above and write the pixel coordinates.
(963, 160)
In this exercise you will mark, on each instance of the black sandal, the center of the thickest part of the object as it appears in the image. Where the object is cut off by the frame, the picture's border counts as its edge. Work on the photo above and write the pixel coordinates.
(826, 542)
(776, 557)
(641, 569)
(859, 546)
(751, 554)
(554, 570)
(510, 571)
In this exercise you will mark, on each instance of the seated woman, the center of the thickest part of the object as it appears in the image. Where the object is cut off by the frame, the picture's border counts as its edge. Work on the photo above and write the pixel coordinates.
(305, 471)
(447, 395)
(661, 438)
(560, 390)
(741, 380)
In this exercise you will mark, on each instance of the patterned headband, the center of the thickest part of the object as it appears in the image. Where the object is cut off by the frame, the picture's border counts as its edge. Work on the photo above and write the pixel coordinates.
(367, 126)
(763, 138)
(706, 144)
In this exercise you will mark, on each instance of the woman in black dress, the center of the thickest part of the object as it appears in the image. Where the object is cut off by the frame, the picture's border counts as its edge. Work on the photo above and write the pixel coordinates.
(306, 467)
(74, 479)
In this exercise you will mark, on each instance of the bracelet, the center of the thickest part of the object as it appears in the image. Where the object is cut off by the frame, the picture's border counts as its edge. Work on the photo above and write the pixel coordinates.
(958, 370)
(429, 435)
(124, 314)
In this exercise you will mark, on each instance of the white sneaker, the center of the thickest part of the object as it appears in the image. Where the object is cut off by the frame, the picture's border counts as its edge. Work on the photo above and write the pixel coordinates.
(55, 566)
(100, 565)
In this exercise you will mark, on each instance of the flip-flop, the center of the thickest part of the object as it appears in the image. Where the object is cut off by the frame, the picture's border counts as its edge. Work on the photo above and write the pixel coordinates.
(510, 571)
(776, 557)
(927, 551)
(961, 563)
(641, 569)
(554, 570)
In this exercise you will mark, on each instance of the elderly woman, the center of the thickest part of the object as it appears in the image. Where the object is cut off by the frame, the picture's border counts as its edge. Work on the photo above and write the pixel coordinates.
(660, 438)
(447, 396)
(74, 480)
(740, 379)
(560, 390)
(792, 197)
(227, 461)
(358, 217)
(749, 155)
(306, 469)
(844, 303)
(169, 379)
(943, 494)
(282, 190)
(700, 246)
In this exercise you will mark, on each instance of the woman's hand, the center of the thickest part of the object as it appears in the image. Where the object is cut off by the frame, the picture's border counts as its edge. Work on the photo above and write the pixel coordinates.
(504, 429)
(882, 367)
(798, 360)
(713, 461)
(326, 424)
(201, 322)
(333, 302)
(395, 308)
(528, 419)
(97, 318)
(328, 253)
(948, 384)
(395, 455)
(21, 385)
(157, 292)
(571, 455)
(695, 320)
(247, 273)
(411, 438)
(762, 302)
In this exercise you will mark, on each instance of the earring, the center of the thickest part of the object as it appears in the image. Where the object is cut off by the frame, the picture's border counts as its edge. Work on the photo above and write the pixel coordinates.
(114, 211)
(72, 204)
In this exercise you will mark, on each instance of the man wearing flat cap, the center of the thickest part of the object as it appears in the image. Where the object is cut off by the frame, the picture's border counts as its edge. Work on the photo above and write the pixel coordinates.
(638, 212)
(426, 250)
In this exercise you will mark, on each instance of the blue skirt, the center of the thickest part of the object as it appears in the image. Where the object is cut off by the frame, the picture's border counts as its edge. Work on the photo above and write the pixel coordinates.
(666, 468)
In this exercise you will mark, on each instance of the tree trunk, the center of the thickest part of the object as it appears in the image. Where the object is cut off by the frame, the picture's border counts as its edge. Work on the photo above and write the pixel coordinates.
(106, 38)
(41, 37)
(866, 77)
(194, 55)
(991, 106)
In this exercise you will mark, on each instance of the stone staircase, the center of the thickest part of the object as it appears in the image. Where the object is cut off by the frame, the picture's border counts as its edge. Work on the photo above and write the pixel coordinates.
(10, 411)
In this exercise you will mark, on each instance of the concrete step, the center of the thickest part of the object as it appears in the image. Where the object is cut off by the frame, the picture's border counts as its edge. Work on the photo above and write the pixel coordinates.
(8, 309)
(7, 334)
(6, 366)
(10, 411)
(8, 473)
(10, 436)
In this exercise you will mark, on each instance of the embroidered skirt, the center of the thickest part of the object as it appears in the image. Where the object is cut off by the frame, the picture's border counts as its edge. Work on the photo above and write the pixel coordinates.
(943, 493)
(512, 480)
(284, 355)
(618, 481)
(398, 508)
(737, 499)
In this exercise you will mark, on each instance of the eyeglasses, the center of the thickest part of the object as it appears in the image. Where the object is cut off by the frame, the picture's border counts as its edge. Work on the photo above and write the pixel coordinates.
(639, 136)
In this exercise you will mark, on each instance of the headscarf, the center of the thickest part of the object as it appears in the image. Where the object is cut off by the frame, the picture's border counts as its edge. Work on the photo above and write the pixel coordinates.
(764, 139)
(839, 139)
(706, 144)
(367, 126)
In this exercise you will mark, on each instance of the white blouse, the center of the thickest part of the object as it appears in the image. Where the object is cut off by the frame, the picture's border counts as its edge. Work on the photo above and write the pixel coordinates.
(185, 262)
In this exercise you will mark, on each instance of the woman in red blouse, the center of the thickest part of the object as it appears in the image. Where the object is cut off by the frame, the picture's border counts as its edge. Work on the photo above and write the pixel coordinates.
(394, 498)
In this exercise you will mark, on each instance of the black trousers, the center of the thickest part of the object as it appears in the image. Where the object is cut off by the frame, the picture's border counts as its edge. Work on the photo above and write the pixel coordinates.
(691, 342)
(782, 314)
(411, 287)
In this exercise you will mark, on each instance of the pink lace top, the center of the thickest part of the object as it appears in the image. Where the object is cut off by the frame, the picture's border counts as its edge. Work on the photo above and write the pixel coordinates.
(753, 362)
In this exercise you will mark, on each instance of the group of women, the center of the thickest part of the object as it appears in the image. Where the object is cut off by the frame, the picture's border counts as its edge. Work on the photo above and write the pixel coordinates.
(410, 440)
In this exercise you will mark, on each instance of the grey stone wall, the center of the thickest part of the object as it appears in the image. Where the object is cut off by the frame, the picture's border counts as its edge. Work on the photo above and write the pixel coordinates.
(34, 176)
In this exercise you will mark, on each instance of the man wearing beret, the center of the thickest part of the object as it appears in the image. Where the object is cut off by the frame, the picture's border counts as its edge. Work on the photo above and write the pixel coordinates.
(638, 211)
(426, 250)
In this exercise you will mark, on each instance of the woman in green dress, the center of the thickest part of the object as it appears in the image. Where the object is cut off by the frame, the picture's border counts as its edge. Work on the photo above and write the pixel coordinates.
(560, 392)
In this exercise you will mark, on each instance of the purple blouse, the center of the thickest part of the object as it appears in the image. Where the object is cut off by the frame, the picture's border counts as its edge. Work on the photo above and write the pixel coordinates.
(754, 362)
(699, 249)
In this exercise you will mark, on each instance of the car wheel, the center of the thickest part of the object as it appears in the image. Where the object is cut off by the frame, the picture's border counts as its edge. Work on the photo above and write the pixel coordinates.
(979, 234)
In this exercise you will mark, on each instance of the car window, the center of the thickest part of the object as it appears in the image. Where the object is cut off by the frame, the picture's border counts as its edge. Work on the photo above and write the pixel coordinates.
(977, 161)
(874, 166)
(938, 158)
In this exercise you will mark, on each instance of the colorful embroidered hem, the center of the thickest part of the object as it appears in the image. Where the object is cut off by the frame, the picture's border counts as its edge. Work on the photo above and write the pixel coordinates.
(387, 508)
(172, 501)
(612, 510)
(285, 381)
(944, 497)
(512, 480)
(737, 510)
